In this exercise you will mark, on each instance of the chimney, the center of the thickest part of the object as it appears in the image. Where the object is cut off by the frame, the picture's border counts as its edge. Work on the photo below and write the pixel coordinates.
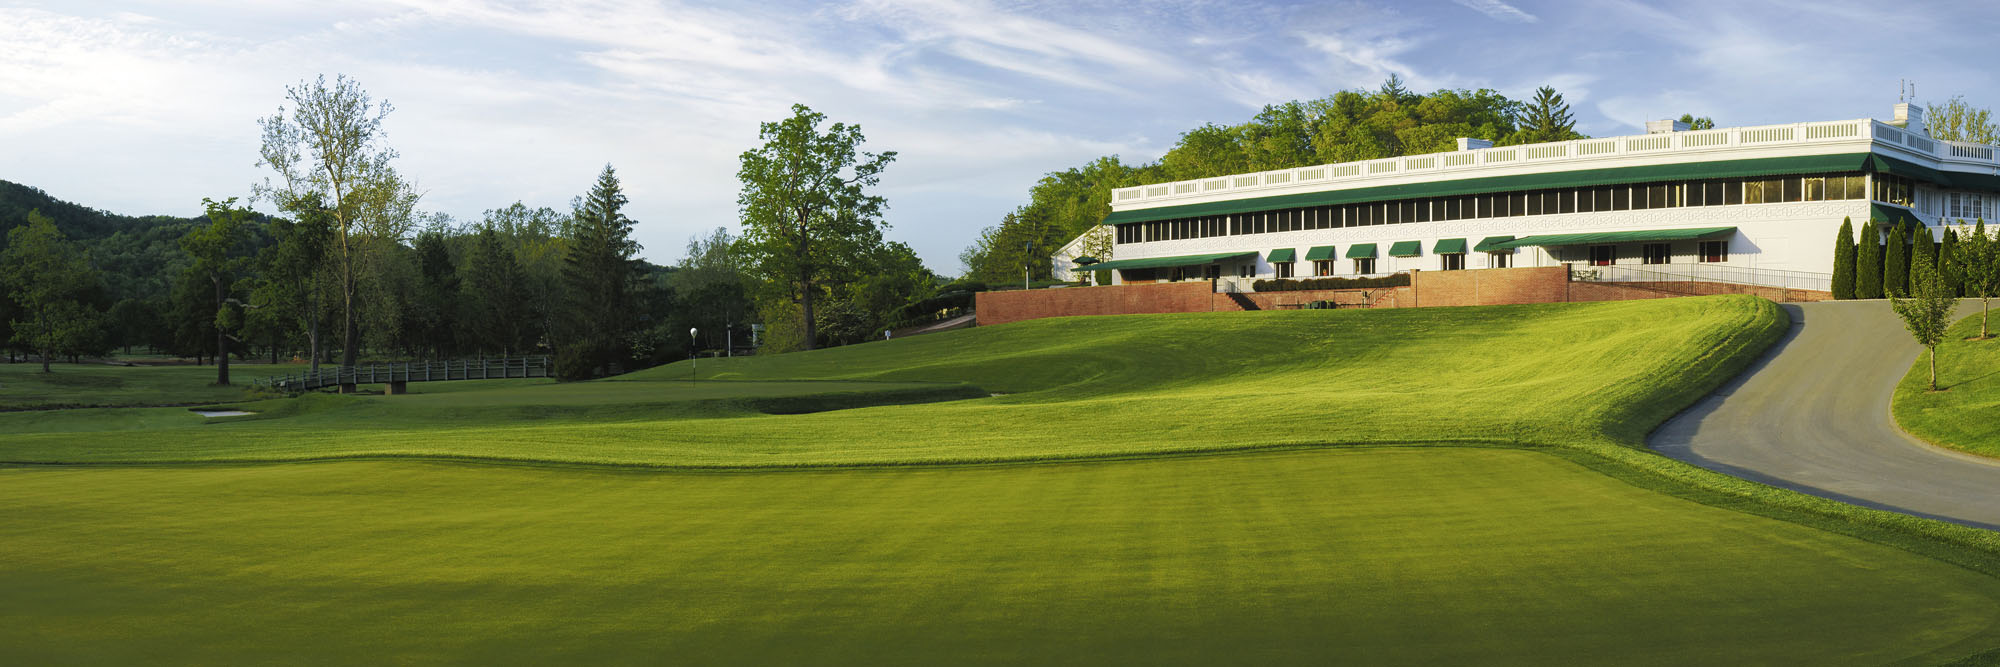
(1910, 117)
(1665, 126)
(1467, 143)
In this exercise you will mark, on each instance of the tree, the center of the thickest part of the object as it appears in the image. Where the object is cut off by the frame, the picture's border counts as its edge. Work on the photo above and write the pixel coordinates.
(1545, 118)
(1843, 261)
(1948, 267)
(1927, 313)
(1697, 122)
(437, 294)
(1868, 263)
(328, 147)
(289, 283)
(217, 261)
(709, 289)
(497, 312)
(1979, 258)
(804, 204)
(48, 279)
(1923, 253)
(1957, 120)
(597, 274)
(1896, 263)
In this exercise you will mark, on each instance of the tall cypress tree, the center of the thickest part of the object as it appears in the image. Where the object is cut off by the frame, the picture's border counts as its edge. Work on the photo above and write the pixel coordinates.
(1948, 269)
(1868, 263)
(598, 272)
(1896, 263)
(1843, 261)
(1923, 256)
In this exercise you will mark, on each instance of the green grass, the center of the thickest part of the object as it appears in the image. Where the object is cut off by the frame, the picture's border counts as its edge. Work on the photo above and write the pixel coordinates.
(1073, 388)
(1963, 414)
(25, 386)
(1365, 556)
(1483, 502)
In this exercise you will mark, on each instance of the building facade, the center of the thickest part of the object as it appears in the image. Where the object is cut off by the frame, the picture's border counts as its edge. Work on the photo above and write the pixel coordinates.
(1761, 203)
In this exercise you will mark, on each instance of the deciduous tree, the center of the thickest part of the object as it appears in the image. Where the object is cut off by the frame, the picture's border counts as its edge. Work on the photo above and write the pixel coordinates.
(48, 279)
(1957, 120)
(805, 206)
(1979, 258)
(218, 260)
(1927, 313)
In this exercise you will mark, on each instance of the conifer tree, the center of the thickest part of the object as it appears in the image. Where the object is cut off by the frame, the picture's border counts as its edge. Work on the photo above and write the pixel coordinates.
(1546, 118)
(597, 275)
(1843, 261)
(1868, 263)
(1923, 256)
(1948, 268)
(1896, 263)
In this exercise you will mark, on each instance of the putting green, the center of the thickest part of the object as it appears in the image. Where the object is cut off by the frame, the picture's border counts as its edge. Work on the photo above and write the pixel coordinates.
(1365, 556)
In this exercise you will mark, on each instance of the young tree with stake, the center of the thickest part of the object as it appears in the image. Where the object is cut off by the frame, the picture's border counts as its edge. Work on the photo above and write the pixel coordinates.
(1927, 313)
(1979, 265)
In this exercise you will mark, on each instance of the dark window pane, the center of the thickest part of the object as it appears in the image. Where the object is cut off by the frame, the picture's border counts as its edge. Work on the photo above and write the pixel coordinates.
(1534, 204)
(1794, 187)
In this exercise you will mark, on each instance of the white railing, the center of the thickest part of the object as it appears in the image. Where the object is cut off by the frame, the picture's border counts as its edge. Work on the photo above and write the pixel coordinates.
(1975, 156)
(1701, 278)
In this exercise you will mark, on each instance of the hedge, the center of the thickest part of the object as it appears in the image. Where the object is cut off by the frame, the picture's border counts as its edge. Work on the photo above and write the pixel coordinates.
(1398, 280)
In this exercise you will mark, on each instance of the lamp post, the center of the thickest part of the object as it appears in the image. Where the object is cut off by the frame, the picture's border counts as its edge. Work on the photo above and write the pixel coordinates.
(694, 362)
(1027, 250)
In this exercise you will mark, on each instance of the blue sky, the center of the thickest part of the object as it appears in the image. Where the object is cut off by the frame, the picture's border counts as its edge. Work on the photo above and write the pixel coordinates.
(148, 106)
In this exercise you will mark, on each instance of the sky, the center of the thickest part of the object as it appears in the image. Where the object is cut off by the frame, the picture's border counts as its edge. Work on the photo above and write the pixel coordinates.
(146, 107)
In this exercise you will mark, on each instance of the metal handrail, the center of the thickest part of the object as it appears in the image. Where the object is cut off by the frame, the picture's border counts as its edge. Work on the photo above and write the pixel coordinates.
(1668, 275)
(415, 371)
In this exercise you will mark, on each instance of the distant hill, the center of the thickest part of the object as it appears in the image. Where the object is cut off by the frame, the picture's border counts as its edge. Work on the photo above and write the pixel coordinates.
(75, 220)
(139, 256)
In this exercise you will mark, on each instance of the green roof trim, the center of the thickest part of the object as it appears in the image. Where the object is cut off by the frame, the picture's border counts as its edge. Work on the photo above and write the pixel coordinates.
(1486, 244)
(1085, 260)
(1883, 164)
(1805, 164)
(1406, 249)
(1158, 262)
(1282, 255)
(1591, 238)
(1449, 247)
(1361, 251)
(1892, 213)
(1320, 253)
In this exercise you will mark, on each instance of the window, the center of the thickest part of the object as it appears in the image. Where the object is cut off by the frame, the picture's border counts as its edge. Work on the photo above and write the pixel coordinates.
(1857, 186)
(1656, 253)
(1284, 269)
(1322, 267)
(1364, 265)
(1499, 260)
(1621, 198)
(1246, 270)
(1732, 192)
(1715, 251)
(1211, 271)
(1790, 186)
(1451, 262)
(1816, 189)
(1895, 190)
(1753, 192)
(1603, 255)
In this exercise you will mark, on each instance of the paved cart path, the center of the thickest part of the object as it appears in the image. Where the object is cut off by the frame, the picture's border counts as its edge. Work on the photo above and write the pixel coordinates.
(1813, 415)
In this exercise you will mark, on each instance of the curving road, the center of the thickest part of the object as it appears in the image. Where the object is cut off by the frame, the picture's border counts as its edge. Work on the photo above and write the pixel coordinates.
(1813, 416)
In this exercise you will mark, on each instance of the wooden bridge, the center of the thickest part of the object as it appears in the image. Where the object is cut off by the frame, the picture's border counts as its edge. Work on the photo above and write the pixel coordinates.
(397, 377)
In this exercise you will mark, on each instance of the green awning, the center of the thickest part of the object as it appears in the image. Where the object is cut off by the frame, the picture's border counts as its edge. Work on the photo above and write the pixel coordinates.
(1085, 260)
(1592, 238)
(1892, 213)
(1157, 262)
(1361, 251)
(1320, 253)
(1406, 249)
(1449, 247)
(1486, 244)
(1805, 164)
(1282, 255)
(1883, 164)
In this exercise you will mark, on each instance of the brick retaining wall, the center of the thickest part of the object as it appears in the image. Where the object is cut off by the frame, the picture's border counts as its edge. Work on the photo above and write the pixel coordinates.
(1479, 287)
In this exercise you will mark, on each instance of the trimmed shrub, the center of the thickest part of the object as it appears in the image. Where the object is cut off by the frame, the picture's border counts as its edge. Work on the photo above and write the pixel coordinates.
(1294, 285)
(1868, 263)
(1843, 261)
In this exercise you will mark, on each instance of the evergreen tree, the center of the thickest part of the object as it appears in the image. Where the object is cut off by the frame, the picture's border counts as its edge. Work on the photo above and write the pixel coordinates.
(1868, 263)
(437, 294)
(1948, 268)
(1896, 263)
(1923, 256)
(1843, 261)
(497, 313)
(1546, 118)
(597, 274)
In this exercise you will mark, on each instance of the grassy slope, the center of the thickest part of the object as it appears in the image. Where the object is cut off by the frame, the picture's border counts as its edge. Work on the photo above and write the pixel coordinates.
(1966, 415)
(1089, 387)
(1510, 557)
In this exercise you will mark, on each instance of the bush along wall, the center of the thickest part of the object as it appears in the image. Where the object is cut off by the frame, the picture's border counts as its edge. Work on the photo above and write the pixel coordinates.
(1281, 285)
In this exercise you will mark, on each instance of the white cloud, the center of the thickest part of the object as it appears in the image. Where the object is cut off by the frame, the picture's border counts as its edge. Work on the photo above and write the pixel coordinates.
(1498, 10)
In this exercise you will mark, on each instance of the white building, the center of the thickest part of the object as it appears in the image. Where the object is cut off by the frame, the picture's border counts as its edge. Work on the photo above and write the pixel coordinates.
(1763, 202)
